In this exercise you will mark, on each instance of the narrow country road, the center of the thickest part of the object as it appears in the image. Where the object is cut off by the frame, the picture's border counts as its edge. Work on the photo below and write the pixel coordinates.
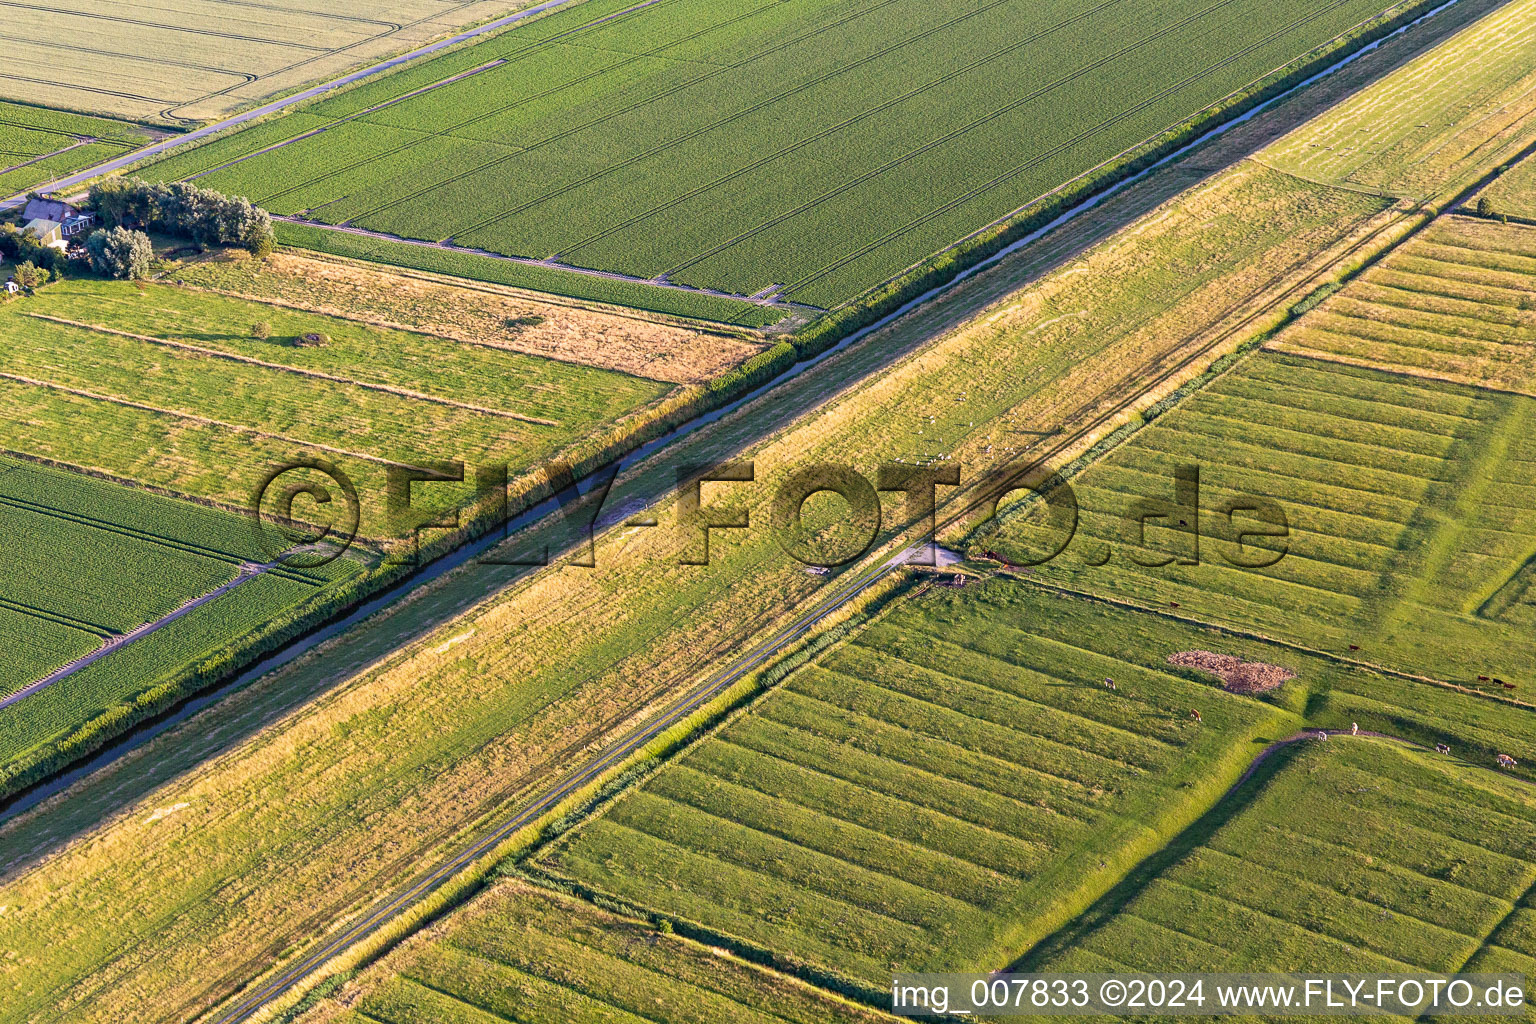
(165, 145)
(535, 805)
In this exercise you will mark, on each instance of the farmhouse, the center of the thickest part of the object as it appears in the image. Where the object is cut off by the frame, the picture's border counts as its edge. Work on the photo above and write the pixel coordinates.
(55, 222)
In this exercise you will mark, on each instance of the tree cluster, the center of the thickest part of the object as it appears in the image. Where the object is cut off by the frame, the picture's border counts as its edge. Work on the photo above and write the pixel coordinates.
(184, 210)
(20, 246)
(118, 252)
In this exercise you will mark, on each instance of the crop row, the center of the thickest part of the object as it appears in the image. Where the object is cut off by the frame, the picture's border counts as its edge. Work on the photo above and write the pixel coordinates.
(35, 646)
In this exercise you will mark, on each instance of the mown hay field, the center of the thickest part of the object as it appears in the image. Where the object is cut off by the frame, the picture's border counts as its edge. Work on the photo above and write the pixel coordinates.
(798, 146)
(1409, 505)
(187, 60)
(1436, 121)
(477, 313)
(38, 145)
(171, 386)
(1458, 302)
(1513, 194)
(89, 560)
(1350, 855)
(527, 954)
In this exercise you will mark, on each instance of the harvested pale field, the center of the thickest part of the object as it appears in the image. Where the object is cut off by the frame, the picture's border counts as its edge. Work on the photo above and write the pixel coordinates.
(185, 60)
(1458, 303)
(479, 314)
(295, 826)
(1437, 121)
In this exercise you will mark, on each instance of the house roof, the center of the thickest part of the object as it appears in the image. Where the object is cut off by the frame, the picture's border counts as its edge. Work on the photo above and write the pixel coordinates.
(49, 209)
(42, 227)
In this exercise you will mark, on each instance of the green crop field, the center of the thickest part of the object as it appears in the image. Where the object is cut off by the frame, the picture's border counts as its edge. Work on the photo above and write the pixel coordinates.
(88, 560)
(526, 954)
(802, 147)
(1345, 856)
(38, 145)
(1411, 508)
(180, 60)
(1458, 303)
(168, 386)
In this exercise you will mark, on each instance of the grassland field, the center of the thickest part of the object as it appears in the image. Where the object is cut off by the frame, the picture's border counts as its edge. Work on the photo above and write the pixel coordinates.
(179, 61)
(941, 791)
(167, 385)
(655, 347)
(1457, 303)
(1513, 195)
(1354, 855)
(1410, 507)
(532, 955)
(748, 146)
(39, 145)
(408, 745)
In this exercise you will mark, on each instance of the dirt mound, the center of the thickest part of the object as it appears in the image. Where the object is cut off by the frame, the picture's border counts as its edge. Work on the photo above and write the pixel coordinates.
(1237, 675)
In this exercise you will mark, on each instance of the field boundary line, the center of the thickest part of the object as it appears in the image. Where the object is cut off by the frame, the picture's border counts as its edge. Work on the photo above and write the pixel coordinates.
(107, 526)
(206, 420)
(549, 264)
(59, 618)
(214, 353)
(118, 641)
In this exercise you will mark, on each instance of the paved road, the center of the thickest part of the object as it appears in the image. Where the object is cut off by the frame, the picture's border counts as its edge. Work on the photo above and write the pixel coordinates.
(174, 142)
(535, 806)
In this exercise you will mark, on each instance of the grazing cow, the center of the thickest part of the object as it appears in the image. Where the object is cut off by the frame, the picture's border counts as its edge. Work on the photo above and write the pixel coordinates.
(1441, 748)
(1354, 647)
(1507, 686)
(1196, 716)
(1109, 682)
(1354, 728)
(1173, 604)
(1482, 679)
(1321, 734)
(1505, 761)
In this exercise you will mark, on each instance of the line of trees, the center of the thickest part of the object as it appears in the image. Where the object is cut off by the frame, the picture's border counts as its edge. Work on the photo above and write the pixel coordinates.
(184, 210)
